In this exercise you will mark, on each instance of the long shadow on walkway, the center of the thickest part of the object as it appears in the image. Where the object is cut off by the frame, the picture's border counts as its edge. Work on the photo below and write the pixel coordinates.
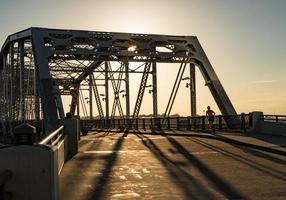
(77, 164)
(276, 140)
(187, 183)
(105, 174)
(257, 166)
(223, 186)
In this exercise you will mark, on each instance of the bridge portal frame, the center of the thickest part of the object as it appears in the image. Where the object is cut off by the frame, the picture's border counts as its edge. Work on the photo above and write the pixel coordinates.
(93, 48)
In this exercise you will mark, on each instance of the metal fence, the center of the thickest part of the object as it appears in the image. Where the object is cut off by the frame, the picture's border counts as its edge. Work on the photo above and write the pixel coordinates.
(241, 122)
(274, 118)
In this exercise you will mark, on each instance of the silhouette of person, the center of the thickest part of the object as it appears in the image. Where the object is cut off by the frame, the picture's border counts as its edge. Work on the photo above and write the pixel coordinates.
(210, 114)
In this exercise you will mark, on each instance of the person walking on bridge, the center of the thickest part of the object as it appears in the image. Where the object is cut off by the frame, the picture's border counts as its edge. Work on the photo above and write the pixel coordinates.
(210, 114)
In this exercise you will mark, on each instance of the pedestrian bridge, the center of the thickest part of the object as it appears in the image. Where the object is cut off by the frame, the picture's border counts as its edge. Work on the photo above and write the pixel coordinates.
(117, 153)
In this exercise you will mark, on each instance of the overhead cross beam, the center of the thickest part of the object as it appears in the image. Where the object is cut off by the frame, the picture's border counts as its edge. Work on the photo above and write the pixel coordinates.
(76, 83)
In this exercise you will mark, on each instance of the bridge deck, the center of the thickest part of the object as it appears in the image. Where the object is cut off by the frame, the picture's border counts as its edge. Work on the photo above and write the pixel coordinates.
(130, 166)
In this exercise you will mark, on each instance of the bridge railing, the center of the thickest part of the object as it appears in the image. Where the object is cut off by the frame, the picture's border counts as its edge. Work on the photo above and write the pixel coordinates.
(200, 123)
(55, 137)
(274, 118)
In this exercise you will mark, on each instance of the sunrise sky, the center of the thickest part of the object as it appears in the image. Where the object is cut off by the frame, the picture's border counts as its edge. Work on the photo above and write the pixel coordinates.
(244, 40)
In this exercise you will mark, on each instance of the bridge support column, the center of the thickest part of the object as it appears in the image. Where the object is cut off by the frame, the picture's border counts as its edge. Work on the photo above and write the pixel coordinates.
(46, 84)
(106, 95)
(127, 96)
(90, 97)
(193, 97)
(22, 76)
(154, 80)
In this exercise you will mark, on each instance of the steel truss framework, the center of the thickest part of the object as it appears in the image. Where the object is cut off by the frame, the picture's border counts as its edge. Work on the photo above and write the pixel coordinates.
(39, 65)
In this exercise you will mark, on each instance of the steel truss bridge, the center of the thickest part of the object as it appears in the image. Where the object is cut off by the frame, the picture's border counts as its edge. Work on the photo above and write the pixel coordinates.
(38, 66)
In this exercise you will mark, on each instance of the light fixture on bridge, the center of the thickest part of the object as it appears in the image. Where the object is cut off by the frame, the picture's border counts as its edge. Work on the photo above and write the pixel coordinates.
(187, 78)
(132, 48)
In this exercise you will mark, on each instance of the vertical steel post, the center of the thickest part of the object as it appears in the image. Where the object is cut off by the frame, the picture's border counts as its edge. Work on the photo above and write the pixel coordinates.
(59, 103)
(3, 105)
(144, 128)
(243, 127)
(193, 97)
(203, 123)
(220, 122)
(127, 96)
(77, 101)
(45, 81)
(90, 97)
(22, 67)
(154, 80)
(37, 100)
(178, 123)
(5, 87)
(11, 68)
(106, 94)
(189, 123)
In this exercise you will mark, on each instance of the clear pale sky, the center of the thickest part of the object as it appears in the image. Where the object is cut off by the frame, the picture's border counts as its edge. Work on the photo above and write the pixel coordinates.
(244, 40)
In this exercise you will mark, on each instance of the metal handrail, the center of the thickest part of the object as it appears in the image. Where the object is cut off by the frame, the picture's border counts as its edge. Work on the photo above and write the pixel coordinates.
(52, 135)
(274, 118)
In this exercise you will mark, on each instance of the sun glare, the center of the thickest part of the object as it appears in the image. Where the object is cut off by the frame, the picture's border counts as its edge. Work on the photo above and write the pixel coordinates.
(132, 48)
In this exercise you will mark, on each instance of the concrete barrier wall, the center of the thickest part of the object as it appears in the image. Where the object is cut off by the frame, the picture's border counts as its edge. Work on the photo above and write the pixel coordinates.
(62, 150)
(35, 172)
(71, 129)
(36, 169)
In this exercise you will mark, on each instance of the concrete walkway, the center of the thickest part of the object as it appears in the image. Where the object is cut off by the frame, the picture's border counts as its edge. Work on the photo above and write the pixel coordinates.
(139, 166)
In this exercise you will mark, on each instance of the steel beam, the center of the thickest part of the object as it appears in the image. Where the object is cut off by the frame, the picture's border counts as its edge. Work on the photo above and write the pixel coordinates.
(214, 84)
(106, 92)
(193, 98)
(97, 98)
(22, 66)
(175, 90)
(141, 91)
(90, 98)
(116, 88)
(154, 85)
(127, 94)
(76, 83)
(11, 69)
(46, 85)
